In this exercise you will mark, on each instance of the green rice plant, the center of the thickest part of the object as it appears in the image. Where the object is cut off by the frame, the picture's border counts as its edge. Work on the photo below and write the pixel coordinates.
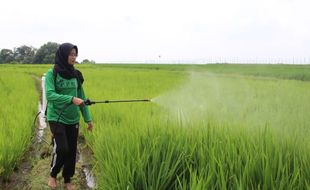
(281, 71)
(207, 127)
(19, 102)
(203, 131)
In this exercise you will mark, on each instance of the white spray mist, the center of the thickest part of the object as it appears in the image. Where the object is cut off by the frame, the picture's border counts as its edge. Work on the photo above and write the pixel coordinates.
(207, 96)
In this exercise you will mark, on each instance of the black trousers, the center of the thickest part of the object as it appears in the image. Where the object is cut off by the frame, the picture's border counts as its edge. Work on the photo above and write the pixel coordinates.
(64, 151)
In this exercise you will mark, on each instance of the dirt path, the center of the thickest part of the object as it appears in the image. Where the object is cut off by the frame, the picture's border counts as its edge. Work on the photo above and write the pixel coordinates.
(33, 171)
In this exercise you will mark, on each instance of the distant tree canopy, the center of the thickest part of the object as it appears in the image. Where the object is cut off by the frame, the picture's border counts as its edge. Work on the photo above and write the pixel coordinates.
(27, 54)
(46, 53)
(24, 54)
(6, 56)
(86, 61)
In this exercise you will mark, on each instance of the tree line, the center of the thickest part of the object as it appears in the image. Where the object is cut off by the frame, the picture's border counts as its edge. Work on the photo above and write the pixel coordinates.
(30, 55)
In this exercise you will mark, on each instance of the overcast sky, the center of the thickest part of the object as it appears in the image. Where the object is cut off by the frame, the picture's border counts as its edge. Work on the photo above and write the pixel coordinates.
(161, 30)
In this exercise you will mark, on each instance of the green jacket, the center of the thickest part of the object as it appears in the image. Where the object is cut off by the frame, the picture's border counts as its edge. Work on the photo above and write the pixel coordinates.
(59, 100)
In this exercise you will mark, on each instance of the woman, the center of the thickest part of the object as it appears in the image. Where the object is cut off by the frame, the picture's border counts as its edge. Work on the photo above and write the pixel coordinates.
(65, 97)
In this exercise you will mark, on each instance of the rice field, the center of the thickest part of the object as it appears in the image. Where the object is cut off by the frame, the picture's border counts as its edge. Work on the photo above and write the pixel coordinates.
(19, 101)
(208, 126)
(209, 131)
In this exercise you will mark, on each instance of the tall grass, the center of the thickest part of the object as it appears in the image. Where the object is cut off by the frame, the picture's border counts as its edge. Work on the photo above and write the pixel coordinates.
(217, 157)
(208, 127)
(203, 131)
(19, 102)
(292, 72)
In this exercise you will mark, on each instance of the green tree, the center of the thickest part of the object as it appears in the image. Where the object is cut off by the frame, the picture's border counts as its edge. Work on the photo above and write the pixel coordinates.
(46, 53)
(24, 54)
(86, 61)
(6, 56)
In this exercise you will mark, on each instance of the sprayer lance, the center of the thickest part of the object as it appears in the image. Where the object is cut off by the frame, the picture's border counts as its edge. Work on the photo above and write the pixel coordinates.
(90, 102)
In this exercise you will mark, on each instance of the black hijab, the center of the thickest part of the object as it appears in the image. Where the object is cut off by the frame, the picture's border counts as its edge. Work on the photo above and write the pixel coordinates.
(63, 68)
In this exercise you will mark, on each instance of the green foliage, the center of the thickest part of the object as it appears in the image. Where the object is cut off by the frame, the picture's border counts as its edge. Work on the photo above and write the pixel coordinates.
(24, 54)
(86, 61)
(18, 99)
(292, 72)
(202, 131)
(207, 127)
(6, 56)
(46, 53)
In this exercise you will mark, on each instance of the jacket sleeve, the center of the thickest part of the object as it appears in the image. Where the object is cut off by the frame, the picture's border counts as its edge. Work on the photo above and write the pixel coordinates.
(50, 91)
(84, 109)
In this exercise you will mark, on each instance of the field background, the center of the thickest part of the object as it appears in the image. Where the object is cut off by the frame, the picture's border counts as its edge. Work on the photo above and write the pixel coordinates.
(215, 126)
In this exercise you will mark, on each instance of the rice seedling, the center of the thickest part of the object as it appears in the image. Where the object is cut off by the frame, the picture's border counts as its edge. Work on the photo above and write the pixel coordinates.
(207, 127)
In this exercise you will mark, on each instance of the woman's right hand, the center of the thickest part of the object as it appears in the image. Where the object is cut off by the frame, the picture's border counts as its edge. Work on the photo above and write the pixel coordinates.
(77, 101)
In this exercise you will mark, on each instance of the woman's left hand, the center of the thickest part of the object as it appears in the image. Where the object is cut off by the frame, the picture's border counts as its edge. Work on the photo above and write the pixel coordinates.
(90, 126)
